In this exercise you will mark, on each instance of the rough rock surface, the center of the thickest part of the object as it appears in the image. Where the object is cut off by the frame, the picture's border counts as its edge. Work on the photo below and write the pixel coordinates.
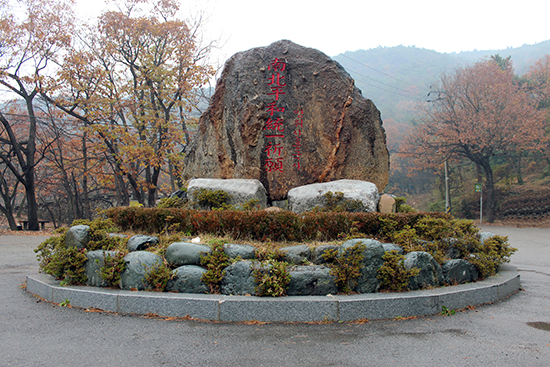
(288, 116)
(458, 271)
(372, 261)
(96, 260)
(238, 279)
(78, 236)
(387, 204)
(430, 274)
(311, 281)
(187, 279)
(244, 251)
(239, 190)
(141, 242)
(317, 253)
(296, 254)
(185, 253)
(137, 264)
(392, 246)
(305, 198)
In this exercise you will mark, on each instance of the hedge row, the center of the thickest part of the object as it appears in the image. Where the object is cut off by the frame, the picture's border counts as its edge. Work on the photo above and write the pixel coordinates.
(264, 225)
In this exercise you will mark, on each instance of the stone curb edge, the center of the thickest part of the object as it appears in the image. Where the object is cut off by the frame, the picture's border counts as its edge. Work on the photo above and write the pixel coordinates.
(372, 306)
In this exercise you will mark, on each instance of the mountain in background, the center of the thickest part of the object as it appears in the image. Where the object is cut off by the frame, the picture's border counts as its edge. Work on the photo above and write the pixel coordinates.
(397, 78)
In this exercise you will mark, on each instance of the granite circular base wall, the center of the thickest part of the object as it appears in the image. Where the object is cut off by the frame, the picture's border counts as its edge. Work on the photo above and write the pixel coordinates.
(370, 306)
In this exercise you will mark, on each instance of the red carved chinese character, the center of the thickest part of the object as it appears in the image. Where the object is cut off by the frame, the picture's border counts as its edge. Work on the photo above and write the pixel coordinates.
(272, 108)
(300, 113)
(274, 164)
(275, 91)
(277, 65)
(273, 149)
(277, 80)
(298, 133)
(297, 163)
(277, 124)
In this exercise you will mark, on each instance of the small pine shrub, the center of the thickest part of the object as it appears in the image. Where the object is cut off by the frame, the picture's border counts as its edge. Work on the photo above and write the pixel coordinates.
(392, 274)
(215, 262)
(346, 266)
(65, 264)
(212, 199)
(157, 277)
(272, 278)
(487, 257)
(173, 202)
(113, 268)
(335, 202)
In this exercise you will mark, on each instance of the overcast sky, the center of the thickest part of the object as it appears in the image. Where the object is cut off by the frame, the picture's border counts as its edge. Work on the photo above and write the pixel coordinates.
(337, 26)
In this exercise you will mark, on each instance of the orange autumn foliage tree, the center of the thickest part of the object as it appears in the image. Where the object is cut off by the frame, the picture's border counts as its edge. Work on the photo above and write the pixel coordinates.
(133, 83)
(480, 113)
(32, 36)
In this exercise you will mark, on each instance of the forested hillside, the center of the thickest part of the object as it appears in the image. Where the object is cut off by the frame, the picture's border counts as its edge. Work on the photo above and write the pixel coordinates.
(401, 80)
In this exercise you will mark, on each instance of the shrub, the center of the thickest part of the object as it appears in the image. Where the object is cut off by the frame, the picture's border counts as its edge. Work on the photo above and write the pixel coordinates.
(65, 264)
(172, 202)
(113, 268)
(212, 199)
(346, 266)
(335, 202)
(491, 254)
(215, 262)
(157, 277)
(272, 277)
(392, 274)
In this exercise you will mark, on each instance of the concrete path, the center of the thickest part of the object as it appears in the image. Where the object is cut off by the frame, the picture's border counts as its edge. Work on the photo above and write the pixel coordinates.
(514, 332)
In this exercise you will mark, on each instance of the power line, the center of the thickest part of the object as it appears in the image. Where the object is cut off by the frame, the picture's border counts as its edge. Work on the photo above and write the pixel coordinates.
(378, 71)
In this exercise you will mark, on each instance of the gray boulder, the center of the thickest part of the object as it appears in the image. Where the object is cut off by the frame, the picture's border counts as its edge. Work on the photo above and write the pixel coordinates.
(330, 130)
(306, 198)
(392, 246)
(430, 274)
(244, 251)
(311, 281)
(141, 242)
(459, 271)
(296, 254)
(78, 236)
(96, 260)
(319, 251)
(187, 279)
(238, 279)
(138, 263)
(239, 190)
(372, 261)
(185, 253)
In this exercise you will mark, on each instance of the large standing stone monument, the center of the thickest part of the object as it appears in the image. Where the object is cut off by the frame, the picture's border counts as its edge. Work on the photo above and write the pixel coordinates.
(288, 116)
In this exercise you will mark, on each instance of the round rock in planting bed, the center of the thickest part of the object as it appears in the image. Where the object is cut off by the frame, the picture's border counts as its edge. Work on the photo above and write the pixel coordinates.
(244, 251)
(296, 254)
(185, 253)
(392, 246)
(372, 261)
(238, 279)
(96, 260)
(317, 254)
(141, 242)
(311, 281)
(137, 264)
(459, 271)
(430, 274)
(187, 279)
(78, 236)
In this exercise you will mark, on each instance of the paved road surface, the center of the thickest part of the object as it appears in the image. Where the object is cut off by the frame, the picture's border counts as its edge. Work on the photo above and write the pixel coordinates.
(34, 333)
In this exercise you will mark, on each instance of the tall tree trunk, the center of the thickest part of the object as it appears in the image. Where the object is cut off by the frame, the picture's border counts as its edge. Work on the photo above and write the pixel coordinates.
(490, 208)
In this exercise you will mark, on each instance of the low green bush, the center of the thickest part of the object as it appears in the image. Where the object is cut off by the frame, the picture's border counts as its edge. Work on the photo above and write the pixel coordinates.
(215, 262)
(346, 266)
(393, 274)
(272, 277)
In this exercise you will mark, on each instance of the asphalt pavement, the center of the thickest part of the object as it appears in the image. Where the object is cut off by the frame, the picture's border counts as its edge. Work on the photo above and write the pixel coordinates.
(513, 332)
